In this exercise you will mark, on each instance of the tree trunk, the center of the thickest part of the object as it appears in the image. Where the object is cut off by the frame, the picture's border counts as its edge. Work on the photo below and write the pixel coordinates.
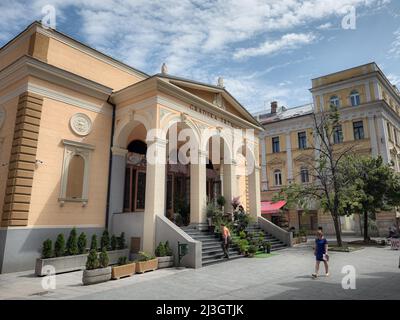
(360, 223)
(337, 230)
(366, 238)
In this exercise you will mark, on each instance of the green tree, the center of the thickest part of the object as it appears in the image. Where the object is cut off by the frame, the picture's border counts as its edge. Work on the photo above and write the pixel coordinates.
(92, 261)
(47, 249)
(103, 258)
(372, 186)
(326, 188)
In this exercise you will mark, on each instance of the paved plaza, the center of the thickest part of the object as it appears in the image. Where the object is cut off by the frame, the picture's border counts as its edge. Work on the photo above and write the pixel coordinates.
(286, 275)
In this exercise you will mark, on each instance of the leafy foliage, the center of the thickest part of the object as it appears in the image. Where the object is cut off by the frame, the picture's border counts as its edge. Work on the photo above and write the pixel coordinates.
(59, 246)
(121, 241)
(103, 258)
(93, 243)
(221, 201)
(82, 243)
(144, 256)
(92, 261)
(123, 260)
(72, 243)
(160, 250)
(113, 242)
(105, 240)
(47, 249)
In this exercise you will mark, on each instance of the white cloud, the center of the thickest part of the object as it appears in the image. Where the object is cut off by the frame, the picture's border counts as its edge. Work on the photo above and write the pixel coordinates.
(394, 79)
(286, 42)
(395, 47)
(196, 38)
(325, 26)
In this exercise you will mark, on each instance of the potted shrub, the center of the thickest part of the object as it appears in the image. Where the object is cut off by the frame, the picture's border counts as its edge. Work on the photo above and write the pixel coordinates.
(105, 240)
(303, 235)
(118, 247)
(267, 247)
(164, 254)
(72, 243)
(82, 242)
(243, 245)
(146, 262)
(62, 258)
(97, 269)
(252, 251)
(221, 202)
(93, 243)
(125, 268)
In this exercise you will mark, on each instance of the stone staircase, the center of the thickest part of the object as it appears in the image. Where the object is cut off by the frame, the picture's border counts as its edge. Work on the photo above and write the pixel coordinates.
(211, 245)
(276, 244)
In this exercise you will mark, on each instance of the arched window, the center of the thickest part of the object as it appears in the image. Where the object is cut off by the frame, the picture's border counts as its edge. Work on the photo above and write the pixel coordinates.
(355, 98)
(278, 177)
(334, 100)
(76, 171)
(305, 178)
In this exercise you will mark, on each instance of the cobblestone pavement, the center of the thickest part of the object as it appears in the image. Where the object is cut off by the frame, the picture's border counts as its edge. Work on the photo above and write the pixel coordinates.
(286, 275)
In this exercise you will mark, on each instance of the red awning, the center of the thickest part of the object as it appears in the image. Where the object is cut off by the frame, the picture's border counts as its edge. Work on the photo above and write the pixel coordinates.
(271, 207)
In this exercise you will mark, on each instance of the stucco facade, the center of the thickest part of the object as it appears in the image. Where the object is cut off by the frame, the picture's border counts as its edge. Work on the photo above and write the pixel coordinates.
(369, 108)
(70, 118)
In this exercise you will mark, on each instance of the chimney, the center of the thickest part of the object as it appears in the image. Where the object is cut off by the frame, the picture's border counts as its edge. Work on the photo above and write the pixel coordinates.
(274, 107)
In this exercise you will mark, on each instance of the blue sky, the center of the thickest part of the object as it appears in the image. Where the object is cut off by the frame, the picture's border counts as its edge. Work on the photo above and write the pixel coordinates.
(265, 50)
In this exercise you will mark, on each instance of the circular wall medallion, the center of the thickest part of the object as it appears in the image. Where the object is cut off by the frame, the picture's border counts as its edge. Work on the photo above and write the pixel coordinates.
(2, 116)
(81, 124)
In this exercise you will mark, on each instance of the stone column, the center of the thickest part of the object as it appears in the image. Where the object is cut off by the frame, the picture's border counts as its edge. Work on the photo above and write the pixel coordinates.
(230, 183)
(155, 190)
(373, 136)
(264, 176)
(198, 189)
(289, 158)
(383, 140)
(117, 184)
(254, 192)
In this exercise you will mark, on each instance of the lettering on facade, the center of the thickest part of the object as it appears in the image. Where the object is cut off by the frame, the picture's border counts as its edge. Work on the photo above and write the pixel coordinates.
(211, 115)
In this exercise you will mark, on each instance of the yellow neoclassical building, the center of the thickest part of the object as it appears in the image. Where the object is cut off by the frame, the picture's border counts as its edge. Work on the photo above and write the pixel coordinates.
(369, 107)
(90, 142)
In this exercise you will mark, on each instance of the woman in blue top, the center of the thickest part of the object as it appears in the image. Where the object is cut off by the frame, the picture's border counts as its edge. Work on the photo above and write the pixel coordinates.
(321, 253)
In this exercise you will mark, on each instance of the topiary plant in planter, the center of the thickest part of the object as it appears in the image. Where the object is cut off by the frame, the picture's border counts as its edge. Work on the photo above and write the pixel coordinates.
(114, 242)
(97, 269)
(243, 245)
(72, 243)
(121, 241)
(105, 240)
(47, 249)
(59, 246)
(93, 243)
(82, 243)
(164, 254)
(252, 251)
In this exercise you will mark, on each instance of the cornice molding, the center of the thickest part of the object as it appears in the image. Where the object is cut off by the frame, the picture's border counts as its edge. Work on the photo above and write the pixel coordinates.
(28, 66)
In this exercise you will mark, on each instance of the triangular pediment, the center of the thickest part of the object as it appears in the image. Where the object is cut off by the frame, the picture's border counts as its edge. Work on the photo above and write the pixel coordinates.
(303, 158)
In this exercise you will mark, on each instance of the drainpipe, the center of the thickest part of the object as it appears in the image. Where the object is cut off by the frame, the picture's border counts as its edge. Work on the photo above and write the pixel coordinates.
(110, 162)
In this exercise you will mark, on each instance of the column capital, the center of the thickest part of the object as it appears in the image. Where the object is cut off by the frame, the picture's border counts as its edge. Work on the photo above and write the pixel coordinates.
(158, 141)
(117, 151)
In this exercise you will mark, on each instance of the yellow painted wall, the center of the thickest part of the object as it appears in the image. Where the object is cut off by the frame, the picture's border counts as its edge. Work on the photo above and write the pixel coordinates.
(45, 208)
(344, 96)
(20, 48)
(75, 61)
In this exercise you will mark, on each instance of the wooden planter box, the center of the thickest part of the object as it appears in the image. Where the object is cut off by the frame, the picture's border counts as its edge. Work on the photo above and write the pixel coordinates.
(96, 275)
(143, 266)
(74, 263)
(61, 264)
(125, 270)
(165, 262)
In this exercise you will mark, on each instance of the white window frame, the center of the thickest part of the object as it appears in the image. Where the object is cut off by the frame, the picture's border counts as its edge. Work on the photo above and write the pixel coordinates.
(278, 173)
(71, 149)
(357, 99)
(336, 99)
(303, 169)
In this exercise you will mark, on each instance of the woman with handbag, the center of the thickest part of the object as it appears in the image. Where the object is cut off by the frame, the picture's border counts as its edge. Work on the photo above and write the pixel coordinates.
(321, 253)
